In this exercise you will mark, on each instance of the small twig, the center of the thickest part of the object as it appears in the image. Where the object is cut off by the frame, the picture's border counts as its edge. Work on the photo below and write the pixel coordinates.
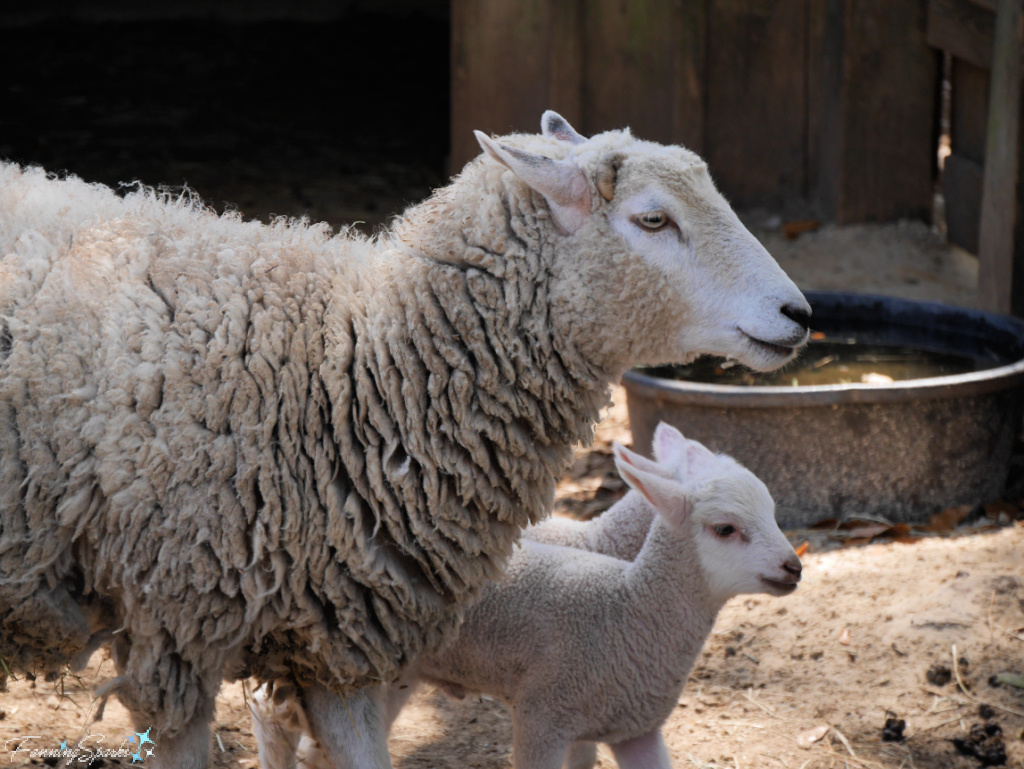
(991, 600)
(936, 726)
(862, 762)
(843, 740)
(219, 743)
(765, 708)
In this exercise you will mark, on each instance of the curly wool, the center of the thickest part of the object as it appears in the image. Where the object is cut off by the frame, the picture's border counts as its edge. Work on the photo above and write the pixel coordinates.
(267, 450)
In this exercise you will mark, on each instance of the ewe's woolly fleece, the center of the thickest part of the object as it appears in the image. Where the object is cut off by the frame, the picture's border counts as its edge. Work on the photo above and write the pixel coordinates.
(232, 448)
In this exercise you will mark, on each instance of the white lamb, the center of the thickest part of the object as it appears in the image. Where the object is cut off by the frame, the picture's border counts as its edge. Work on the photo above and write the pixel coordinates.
(232, 449)
(587, 648)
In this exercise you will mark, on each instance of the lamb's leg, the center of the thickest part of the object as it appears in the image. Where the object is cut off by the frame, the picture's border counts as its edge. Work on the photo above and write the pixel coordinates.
(397, 695)
(646, 752)
(581, 755)
(278, 722)
(351, 730)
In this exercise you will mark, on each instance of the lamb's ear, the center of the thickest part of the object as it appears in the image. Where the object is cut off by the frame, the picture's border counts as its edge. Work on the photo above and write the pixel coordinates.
(668, 445)
(671, 448)
(648, 465)
(666, 495)
(557, 127)
(562, 184)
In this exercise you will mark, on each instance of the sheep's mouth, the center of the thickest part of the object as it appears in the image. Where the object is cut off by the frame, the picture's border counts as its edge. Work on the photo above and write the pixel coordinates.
(780, 350)
(778, 586)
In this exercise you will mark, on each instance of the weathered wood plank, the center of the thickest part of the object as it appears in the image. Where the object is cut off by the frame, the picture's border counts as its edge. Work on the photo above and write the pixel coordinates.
(825, 106)
(969, 110)
(998, 285)
(689, 73)
(962, 185)
(629, 60)
(757, 100)
(511, 60)
(890, 108)
(964, 171)
(963, 28)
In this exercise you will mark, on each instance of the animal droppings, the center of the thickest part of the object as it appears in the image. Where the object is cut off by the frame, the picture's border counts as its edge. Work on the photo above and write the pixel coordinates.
(939, 675)
(985, 743)
(893, 729)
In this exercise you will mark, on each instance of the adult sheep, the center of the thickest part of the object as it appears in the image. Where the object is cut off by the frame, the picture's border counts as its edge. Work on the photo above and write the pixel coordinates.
(231, 449)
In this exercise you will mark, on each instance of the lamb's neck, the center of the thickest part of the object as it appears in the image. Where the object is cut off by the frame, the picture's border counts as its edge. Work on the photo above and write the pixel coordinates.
(669, 589)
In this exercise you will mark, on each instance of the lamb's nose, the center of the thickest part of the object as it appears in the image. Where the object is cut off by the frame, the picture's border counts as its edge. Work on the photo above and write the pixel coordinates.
(799, 315)
(794, 567)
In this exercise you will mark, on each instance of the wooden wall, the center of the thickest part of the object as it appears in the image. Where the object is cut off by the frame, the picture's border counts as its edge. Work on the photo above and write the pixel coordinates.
(977, 192)
(821, 104)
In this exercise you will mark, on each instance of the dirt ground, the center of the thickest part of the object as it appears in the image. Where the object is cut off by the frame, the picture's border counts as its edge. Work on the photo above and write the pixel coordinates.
(851, 648)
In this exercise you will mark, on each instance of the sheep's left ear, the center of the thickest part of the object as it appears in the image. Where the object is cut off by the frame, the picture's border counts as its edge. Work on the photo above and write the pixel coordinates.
(667, 496)
(562, 184)
(554, 125)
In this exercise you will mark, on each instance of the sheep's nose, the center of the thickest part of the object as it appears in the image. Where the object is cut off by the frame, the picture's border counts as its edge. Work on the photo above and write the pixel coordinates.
(794, 567)
(799, 315)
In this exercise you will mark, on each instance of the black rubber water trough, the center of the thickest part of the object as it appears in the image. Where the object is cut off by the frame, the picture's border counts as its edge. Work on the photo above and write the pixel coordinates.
(902, 450)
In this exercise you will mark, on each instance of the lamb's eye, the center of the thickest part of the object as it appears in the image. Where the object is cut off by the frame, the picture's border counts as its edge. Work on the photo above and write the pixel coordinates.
(652, 220)
(724, 530)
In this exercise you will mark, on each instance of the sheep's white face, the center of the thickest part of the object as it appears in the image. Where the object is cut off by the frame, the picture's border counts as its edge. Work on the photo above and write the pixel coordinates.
(705, 280)
(740, 303)
(723, 507)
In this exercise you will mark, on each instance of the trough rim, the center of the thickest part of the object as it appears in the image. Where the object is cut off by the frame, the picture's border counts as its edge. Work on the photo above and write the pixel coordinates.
(975, 383)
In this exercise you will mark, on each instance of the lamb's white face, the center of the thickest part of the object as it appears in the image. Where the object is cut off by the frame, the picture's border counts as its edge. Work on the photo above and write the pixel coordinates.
(723, 507)
(740, 303)
(740, 546)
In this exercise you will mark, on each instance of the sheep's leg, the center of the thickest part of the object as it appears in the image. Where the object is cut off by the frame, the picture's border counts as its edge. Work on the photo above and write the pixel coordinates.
(582, 755)
(537, 748)
(351, 730)
(646, 752)
(187, 748)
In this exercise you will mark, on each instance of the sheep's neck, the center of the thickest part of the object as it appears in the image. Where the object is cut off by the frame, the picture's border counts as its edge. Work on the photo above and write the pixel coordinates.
(460, 405)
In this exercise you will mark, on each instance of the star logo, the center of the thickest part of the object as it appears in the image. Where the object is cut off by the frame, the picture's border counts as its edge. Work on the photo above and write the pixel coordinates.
(144, 737)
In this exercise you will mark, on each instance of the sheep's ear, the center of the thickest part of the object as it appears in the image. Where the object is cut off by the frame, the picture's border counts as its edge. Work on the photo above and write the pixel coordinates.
(557, 127)
(562, 184)
(667, 496)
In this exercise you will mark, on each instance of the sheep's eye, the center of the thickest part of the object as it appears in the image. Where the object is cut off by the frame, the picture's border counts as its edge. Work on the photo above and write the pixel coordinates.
(652, 220)
(724, 530)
